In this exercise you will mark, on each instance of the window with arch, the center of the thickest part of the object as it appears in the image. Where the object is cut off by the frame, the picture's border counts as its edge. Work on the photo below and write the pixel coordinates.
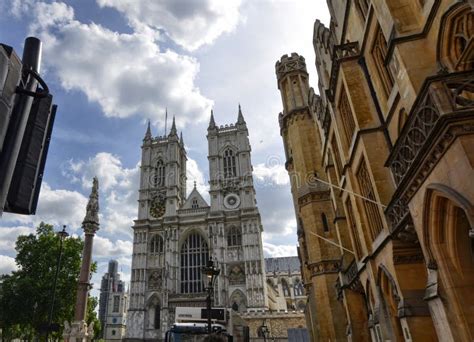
(346, 117)
(285, 288)
(234, 236)
(160, 173)
(298, 288)
(194, 255)
(194, 203)
(379, 53)
(372, 209)
(324, 219)
(230, 169)
(156, 244)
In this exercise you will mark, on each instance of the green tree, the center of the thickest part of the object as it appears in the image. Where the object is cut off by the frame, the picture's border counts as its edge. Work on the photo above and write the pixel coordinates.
(26, 294)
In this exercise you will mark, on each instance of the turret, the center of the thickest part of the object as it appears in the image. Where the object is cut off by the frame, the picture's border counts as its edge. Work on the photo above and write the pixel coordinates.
(293, 82)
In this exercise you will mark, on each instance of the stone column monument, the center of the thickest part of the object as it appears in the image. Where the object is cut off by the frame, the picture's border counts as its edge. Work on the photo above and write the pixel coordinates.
(78, 330)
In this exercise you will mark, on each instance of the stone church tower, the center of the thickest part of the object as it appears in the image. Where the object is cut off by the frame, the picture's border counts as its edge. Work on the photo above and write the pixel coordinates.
(175, 235)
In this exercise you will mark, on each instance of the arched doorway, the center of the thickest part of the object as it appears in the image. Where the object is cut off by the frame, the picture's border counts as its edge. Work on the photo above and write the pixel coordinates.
(448, 218)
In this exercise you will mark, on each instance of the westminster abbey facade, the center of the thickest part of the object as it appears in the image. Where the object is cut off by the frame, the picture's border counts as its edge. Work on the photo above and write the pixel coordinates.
(175, 234)
(381, 162)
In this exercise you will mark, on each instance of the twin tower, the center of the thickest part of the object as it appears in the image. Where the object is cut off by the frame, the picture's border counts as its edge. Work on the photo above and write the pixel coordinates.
(175, 233)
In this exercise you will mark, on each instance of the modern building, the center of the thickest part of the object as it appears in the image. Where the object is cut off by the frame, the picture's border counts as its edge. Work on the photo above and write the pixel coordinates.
(380, 163)
(175, 235)
(113, 304)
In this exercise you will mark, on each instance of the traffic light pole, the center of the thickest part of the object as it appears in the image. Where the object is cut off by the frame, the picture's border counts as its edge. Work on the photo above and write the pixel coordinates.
(31, 65)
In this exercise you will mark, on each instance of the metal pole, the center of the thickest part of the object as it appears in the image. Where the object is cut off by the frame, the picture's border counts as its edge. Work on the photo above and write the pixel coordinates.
(31, 61)
(62, 235)
(209, 325)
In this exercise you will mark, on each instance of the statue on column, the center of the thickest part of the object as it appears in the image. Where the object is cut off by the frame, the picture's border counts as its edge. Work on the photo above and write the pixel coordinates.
(78, 331)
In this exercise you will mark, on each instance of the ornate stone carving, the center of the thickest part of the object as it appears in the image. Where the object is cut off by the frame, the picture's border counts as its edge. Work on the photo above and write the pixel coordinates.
(236, 275)
(155, 281)
(91, 220)
(289, 64)
(324, 267)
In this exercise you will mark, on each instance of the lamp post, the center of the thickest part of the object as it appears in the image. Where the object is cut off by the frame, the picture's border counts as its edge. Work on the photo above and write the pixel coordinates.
(62, 235)
(211, 273)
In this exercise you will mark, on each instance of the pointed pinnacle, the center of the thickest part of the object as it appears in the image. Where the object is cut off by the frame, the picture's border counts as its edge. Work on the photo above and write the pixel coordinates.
(148, 132)
(212, 123)
(240, 118)
(173, 128)
(181, 141)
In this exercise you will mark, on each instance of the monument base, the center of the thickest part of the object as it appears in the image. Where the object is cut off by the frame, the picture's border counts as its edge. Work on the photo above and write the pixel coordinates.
(78, 331)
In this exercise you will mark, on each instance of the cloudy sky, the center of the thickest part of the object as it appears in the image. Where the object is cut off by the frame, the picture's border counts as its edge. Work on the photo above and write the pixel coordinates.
(114, 64)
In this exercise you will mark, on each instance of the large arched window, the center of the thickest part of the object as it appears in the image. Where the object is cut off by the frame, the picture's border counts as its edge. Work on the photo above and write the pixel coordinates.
(194, 255)
(230, 169)
(234, 236)
(160, 173)
(156, 244)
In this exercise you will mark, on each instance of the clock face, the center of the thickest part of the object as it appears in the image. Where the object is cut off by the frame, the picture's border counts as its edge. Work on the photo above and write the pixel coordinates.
(231, 201)
(158, 207)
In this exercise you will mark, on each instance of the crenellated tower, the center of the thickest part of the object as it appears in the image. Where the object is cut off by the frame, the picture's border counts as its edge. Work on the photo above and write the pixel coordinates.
(321, 259)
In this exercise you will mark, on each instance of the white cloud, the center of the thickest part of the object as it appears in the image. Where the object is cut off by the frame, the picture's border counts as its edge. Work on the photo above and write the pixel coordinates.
(9, 235)
(194, 174)
(55, 206)
(118, 186)
(274, 251)
(190, 23)
(7, 264)
(127, 74)
(270, 174)
(106, 248)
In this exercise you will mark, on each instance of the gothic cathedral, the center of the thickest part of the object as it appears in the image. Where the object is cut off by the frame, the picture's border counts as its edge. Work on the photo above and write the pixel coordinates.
(175, 235)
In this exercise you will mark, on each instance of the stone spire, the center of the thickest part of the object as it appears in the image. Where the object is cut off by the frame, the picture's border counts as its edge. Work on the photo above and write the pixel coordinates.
(91, 220)
(240, 117)
(212, 123)
(148, 135)
(78, 330)
(181, 141)
(173, 128)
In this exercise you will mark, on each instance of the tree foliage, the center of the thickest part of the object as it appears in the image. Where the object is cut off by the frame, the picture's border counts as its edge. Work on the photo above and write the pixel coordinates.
(26, 294)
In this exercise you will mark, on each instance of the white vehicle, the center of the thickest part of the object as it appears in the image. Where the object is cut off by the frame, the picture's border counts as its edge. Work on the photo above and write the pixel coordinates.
(191, 326)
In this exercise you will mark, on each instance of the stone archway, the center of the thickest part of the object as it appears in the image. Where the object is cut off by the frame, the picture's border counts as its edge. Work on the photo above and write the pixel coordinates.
(238, 301)
(388, 305)
(448, 235)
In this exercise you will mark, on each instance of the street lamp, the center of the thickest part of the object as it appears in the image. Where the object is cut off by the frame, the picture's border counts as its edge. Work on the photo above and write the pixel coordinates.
(62, 235)
(210, 272)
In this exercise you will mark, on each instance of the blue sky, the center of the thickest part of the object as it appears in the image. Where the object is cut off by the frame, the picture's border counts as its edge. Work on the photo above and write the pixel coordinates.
(114, 64)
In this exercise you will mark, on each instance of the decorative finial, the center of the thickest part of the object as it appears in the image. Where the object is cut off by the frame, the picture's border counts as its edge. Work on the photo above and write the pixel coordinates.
(148, 135)
(194, 184)
(173, 128)
(91, 220)
(240, 117)
(212, 123)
